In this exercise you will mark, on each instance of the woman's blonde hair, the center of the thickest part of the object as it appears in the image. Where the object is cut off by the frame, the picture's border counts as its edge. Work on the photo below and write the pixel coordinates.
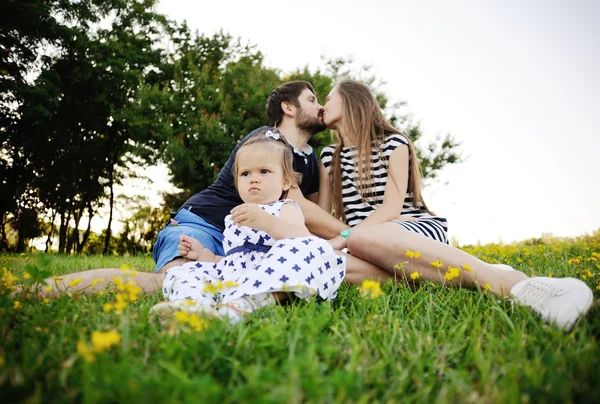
(365, 124)
(287, 158)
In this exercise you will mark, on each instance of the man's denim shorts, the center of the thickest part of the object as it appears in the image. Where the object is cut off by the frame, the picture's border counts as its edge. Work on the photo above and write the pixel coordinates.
(190, 224)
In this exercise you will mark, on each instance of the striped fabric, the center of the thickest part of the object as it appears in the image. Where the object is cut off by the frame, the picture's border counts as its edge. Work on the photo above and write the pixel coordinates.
(356, 209)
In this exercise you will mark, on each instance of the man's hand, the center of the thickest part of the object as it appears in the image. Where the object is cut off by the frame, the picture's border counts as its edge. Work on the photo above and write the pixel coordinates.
(251, 215)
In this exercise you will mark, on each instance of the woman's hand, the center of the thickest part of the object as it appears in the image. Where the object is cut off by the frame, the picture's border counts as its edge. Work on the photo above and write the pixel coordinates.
(338, 243)
(251, 215)
(406, 219)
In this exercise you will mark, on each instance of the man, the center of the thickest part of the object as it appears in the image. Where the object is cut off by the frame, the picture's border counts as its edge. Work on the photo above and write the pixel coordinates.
(294, 110)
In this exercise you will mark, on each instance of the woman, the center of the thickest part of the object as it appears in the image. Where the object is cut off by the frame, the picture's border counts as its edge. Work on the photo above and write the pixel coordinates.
(389, 186)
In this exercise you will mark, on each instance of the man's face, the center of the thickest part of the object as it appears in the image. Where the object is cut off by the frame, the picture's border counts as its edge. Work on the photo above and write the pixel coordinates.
(309, 117)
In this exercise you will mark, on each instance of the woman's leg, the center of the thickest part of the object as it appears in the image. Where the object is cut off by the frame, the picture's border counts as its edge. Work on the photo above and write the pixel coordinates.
(561, 300)
(385, 246)
(357, 270)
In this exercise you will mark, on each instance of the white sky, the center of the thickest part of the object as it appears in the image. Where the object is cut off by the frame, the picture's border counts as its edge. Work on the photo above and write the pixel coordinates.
(517, 82)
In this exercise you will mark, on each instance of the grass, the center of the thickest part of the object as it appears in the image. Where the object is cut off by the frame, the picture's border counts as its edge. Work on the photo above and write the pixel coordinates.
(431, 344)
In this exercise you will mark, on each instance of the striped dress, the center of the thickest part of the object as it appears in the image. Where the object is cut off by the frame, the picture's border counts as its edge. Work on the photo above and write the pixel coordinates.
(356, 209)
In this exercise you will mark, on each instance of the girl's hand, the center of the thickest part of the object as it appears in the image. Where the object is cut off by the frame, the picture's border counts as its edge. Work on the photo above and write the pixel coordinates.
(251, 215)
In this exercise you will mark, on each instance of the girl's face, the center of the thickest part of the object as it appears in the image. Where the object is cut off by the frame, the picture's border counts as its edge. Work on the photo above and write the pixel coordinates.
(260, 173)
(333, 110)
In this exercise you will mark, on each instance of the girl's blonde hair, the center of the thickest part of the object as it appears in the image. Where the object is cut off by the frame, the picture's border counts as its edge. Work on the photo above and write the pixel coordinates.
(367, 127)
(286, 154)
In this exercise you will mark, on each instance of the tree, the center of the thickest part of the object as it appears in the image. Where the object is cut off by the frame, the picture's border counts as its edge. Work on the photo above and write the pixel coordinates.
(213, 95)
(68, 136)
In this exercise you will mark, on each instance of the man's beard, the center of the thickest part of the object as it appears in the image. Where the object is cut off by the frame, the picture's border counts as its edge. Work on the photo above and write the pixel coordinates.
(308, 124)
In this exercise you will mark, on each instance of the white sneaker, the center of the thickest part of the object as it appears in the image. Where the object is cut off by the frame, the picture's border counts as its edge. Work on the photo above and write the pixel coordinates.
(237, 309)
(165, 311)
(558, 300)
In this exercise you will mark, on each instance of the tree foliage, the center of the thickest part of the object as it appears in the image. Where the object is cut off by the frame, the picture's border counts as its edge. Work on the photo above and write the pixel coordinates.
(90, 86)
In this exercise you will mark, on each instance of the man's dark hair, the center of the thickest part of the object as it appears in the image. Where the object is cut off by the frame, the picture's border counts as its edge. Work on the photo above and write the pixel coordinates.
(286, 92)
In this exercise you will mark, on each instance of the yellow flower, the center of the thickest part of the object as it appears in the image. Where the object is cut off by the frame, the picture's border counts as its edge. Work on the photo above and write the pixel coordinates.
(16, 305)
(75, 282)
(120, 304)
(231, 283)
(399, 267)
(410, 254)
(124, 268)
(370, 288)
(22, 254)
(415, 275)
(467, 268)
(94, 282)
(417, 254)
(550, 275)
(119, 283)
(487, 287)
(133, 273)
(107, 307)
(182, 316)
(85, 351)
(1, 360)
(26, 276)
(436, 264)
(103, 340)
(48, 288)
(101, 293)
(46, 300)
(209, 288)
(197, 323)
(8, 280)
(452, 273)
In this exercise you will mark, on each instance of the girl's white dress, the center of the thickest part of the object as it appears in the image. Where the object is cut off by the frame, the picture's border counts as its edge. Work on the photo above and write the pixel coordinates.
(255, 264)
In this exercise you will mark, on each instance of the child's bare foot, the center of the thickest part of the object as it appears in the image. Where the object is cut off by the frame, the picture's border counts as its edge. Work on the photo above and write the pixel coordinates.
(190, 248)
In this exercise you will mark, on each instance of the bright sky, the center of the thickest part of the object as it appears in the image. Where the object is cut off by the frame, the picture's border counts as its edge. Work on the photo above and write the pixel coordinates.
(516, 81)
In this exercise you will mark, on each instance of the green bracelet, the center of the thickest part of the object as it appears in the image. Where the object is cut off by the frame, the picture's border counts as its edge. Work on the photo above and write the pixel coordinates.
(345, 233)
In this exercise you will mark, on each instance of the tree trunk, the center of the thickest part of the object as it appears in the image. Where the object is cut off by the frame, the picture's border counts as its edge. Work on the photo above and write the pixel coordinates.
(62, 232)
(4, 240)
(111, 203)
(20, 237)
(50, 233)
(74, 239)
(86, 235)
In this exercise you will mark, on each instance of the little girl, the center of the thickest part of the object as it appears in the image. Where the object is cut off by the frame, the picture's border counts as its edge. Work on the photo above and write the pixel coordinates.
(267, 246)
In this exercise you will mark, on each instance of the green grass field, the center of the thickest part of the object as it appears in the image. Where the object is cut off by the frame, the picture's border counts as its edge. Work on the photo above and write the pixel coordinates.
(431, 344)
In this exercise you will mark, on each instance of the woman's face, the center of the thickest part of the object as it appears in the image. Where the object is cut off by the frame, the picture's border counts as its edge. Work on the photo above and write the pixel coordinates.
(333, 110)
